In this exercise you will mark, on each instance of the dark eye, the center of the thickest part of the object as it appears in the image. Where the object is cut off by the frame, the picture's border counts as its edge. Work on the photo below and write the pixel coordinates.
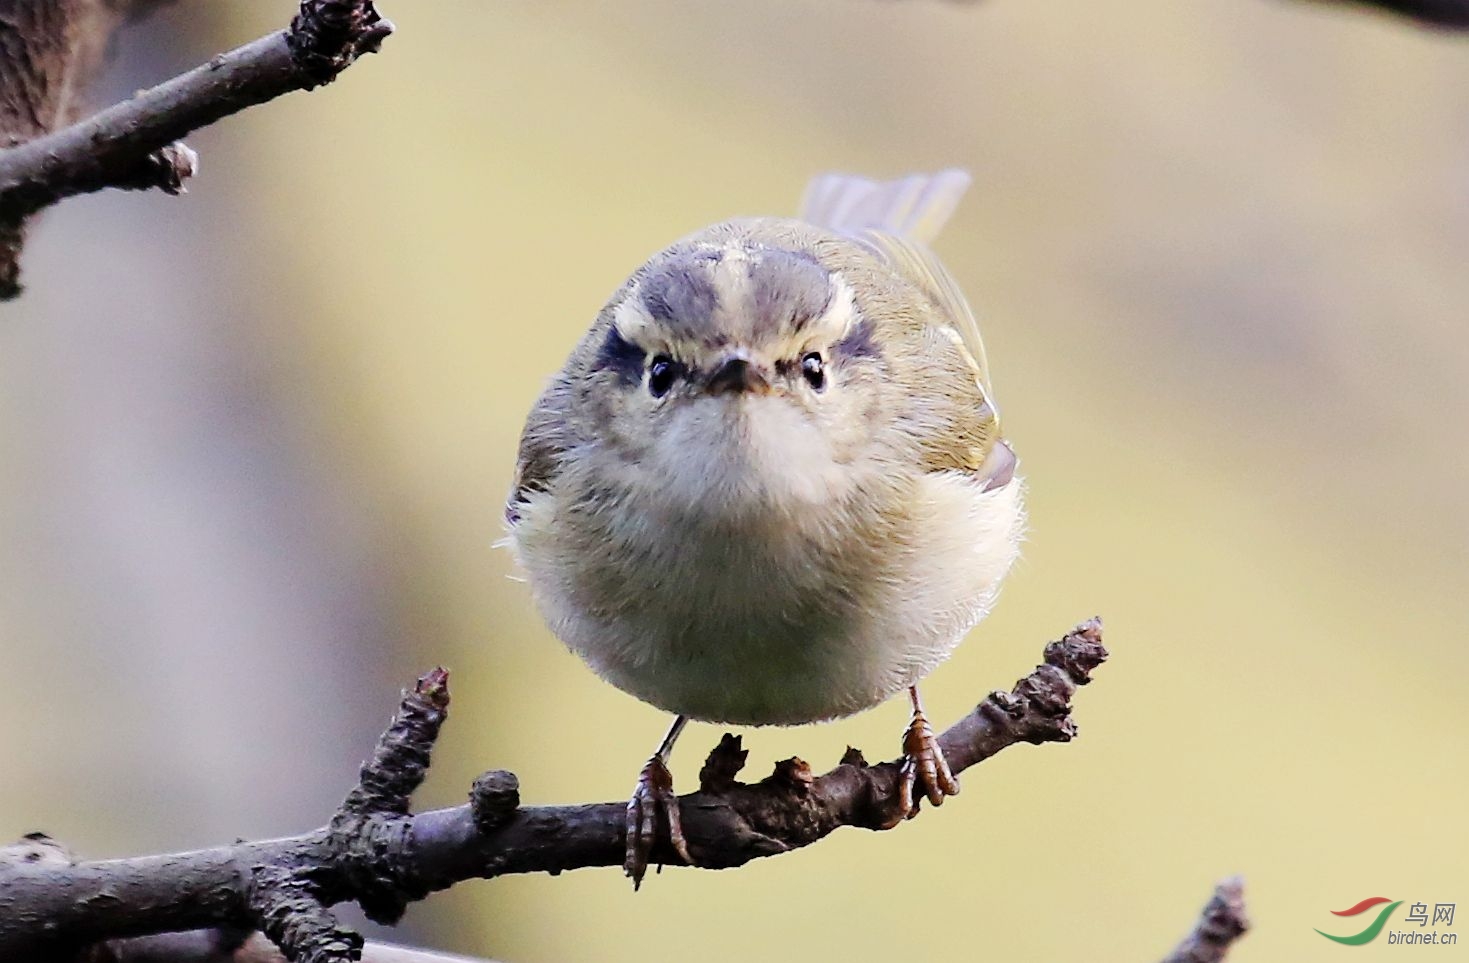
(660, 375)
(813, 369)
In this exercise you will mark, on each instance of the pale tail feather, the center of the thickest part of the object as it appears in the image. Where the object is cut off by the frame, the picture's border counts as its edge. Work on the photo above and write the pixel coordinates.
(914, 207)
(899, 219)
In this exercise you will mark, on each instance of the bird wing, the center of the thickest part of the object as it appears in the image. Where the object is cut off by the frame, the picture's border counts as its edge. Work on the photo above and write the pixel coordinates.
(543, 442)
(897, 220)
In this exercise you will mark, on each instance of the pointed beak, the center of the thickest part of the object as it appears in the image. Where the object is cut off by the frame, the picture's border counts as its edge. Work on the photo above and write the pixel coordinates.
(737, 375)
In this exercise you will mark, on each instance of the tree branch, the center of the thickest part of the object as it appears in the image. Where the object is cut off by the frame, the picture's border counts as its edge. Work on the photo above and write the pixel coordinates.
(1443, 14)
(216, 946)
(376, 853)
(132, 144)
(1222, 922)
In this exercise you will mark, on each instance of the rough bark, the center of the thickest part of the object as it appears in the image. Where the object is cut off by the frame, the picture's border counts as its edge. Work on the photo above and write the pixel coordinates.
(374, 851)
(1222, 922)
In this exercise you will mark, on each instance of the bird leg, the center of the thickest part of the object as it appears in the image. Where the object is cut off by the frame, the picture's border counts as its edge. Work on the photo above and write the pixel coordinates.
(924, 765)
(651, 798)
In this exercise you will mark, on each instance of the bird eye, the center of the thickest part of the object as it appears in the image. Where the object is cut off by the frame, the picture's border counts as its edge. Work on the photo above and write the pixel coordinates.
(660, 375)
(813, 369)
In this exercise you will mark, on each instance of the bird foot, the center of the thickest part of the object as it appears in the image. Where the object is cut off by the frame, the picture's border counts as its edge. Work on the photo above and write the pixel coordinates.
(652, 798)
(924, 769)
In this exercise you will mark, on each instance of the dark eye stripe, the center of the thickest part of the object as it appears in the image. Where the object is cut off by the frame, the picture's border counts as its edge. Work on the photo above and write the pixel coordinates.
(857, 344)
(622, 357)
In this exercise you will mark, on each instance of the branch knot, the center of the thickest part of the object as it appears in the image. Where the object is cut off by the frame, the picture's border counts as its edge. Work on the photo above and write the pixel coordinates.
(326, 36)
(493, 799)
(723, 764)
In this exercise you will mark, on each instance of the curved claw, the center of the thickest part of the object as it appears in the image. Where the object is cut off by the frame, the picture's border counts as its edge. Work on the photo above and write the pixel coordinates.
(924, 768)
(651, 798)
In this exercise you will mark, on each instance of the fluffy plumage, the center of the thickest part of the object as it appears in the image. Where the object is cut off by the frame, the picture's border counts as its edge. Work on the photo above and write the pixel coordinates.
(806, 544)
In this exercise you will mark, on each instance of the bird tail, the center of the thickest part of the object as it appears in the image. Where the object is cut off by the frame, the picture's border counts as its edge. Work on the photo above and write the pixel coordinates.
(914, 207)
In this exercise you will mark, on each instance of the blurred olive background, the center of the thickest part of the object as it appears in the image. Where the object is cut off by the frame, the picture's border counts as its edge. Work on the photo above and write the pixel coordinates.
(254, 444)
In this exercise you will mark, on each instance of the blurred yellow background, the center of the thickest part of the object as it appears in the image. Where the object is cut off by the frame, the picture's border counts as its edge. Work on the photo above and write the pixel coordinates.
(254, 444)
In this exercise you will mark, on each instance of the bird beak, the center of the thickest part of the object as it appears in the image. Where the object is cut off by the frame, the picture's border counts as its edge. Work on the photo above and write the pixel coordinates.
(737, 374)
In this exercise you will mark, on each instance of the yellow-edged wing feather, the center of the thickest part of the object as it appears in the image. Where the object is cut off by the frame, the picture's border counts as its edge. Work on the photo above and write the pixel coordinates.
(897, 220)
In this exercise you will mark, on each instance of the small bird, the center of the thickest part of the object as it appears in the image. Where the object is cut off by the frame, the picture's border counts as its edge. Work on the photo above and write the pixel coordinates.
(769, 486)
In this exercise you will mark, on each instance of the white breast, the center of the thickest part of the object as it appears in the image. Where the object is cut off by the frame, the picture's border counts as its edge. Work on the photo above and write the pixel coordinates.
(769, 619)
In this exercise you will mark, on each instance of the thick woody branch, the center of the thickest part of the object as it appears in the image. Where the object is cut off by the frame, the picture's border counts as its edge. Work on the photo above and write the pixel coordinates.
(1222, 922)
(728, 823)
(374, 852)
(132, 144)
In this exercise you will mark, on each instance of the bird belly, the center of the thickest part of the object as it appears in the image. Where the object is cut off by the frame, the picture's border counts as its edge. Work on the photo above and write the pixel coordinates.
(773, 622)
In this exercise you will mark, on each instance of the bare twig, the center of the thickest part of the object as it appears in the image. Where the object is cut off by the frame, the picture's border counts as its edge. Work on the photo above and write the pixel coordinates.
(374, 852)
(133, 144)
(1222, 922)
